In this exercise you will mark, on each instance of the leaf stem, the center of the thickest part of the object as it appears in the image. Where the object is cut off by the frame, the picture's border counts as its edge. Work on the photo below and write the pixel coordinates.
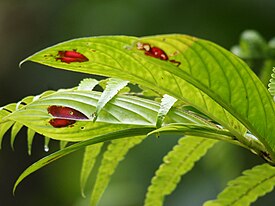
(249, 141)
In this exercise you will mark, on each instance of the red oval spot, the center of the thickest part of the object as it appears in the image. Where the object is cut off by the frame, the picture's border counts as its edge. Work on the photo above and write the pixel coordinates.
(155, 52)
(71, 56)
(64, 116)
(65, 112)
(152, 51)
(59, 123)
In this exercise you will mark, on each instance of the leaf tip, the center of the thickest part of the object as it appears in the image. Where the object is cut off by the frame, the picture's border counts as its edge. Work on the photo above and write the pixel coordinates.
(12, 146)
(83, 193)
(22, 62)
(15, 187)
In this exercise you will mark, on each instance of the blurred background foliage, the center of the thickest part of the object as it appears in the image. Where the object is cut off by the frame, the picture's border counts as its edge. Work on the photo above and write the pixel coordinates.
(28, 26)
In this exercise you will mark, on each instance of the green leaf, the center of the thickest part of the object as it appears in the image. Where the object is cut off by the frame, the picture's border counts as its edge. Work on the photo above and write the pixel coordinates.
(30, 134)
(87, 84)
(46, 144)
(252, 46)
(247, 188)
(211, 131)
(209, 78)
(4, 127)
(266, 70)
(175, 164)
(119, 113)
(116, 152)
(206, 131)
(7, 110)
(112, 88)
(271, 85)
(166, 103)
(148, 92)
(63, 144)
(97, 139)
(14, 131)
(89, 159)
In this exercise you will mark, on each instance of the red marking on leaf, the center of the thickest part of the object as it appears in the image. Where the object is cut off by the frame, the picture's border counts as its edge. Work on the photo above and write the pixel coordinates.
(65, 112)
(59, 123)
(64, 116)
(155, 52)
(71, 56)
(175, 62)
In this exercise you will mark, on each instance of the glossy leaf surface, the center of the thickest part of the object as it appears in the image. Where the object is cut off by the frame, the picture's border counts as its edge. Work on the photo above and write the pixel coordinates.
(208, 77)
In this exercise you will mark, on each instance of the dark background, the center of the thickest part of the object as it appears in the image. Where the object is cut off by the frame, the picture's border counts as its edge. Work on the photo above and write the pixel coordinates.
(29, 26)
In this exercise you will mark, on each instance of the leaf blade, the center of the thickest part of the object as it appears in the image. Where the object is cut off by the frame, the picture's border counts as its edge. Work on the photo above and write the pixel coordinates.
(121, 112)
(14, 131)
(89, 159)
(115, 152)
(166, 103)
(176, 163)
(100, 138)
(30, 136)
(245, 189)
(212, 79)
(112, 88)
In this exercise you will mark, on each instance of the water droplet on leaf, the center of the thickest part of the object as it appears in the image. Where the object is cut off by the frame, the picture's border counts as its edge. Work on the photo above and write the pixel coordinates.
(46, 148)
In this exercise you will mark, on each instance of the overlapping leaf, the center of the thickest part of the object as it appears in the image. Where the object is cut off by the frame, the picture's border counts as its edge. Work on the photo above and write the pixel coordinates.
(112, 88)
(119, 113)
(209, 78)
(166, 103)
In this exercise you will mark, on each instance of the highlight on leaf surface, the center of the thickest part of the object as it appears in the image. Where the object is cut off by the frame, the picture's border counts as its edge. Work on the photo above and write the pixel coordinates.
(121, 111)
(166, 103)
(112, 88)
(87, 84)
(60, 110)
